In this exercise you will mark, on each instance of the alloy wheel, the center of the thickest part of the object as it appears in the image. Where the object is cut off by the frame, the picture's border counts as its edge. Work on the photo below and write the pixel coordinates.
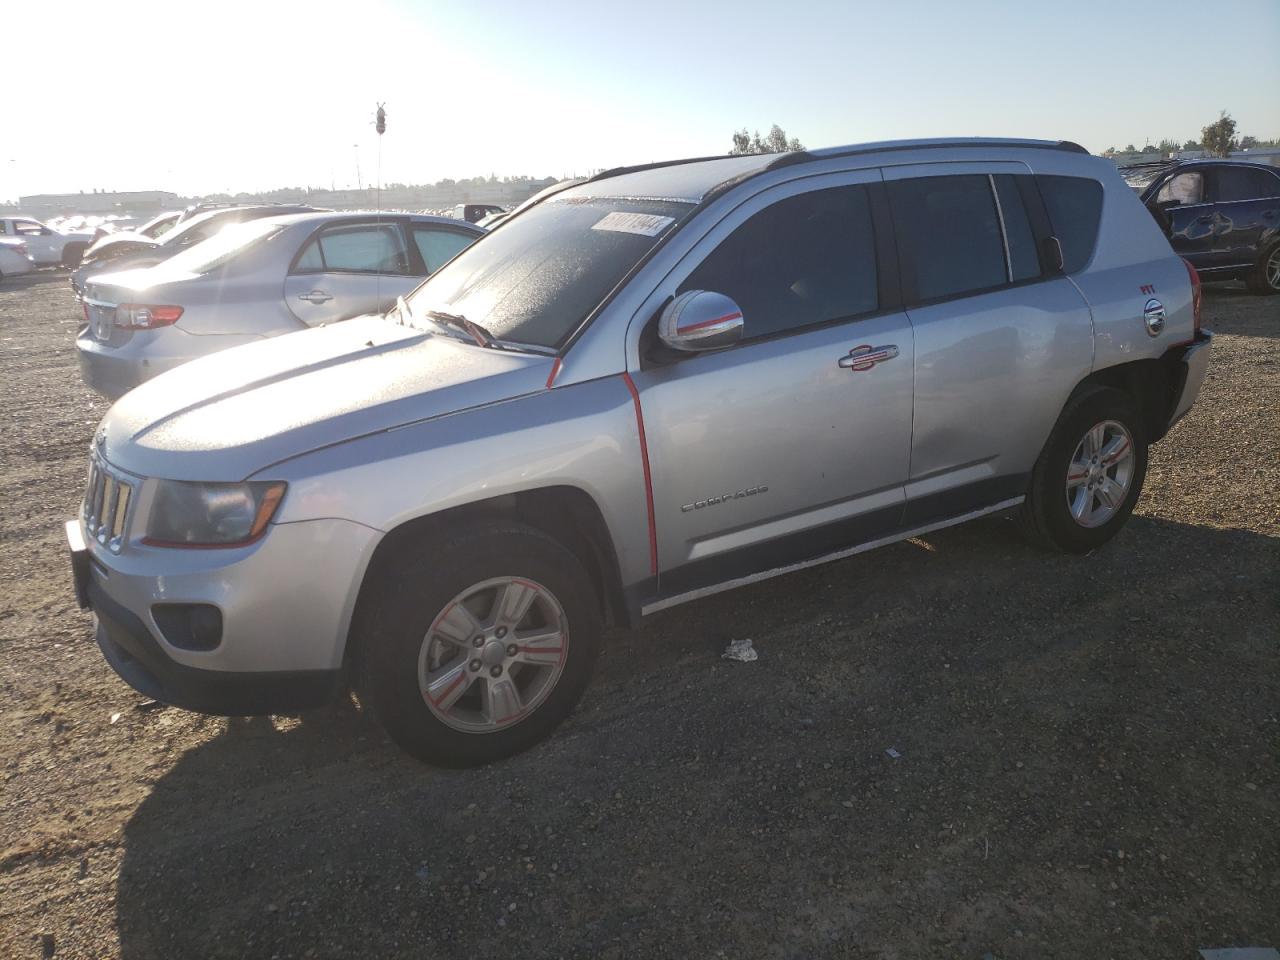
(1100, 474)
(1273, 269)
(493, 655)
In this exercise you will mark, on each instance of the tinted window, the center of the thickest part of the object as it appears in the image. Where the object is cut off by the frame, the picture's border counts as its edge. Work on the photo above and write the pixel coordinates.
(948, 234)
(1244, 184)
(438, 246)
(803, 260)
(370, 248)
(311, 261)
(28, 228)
(1024, 261)
(1074, 205)
(1183, 189)
(538, 278)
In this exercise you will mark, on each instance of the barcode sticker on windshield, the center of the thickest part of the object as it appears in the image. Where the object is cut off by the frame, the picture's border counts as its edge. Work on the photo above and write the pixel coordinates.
(645, 224)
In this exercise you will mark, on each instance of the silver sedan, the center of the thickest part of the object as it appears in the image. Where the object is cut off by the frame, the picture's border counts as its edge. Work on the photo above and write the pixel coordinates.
(255, 280)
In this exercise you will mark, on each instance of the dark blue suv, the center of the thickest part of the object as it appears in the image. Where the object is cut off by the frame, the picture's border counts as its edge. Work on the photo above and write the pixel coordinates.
(1222, 215)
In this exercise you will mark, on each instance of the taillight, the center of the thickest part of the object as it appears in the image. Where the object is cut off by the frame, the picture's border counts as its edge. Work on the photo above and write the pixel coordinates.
(142, 316)
(1196, 298)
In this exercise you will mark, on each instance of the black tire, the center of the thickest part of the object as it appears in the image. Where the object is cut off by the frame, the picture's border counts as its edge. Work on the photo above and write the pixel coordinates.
(1256, 278)
(72, 254)
(420, 582)
(1045, 516)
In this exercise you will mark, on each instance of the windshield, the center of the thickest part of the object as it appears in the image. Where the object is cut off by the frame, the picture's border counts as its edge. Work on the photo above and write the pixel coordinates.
(538, 278)
(227, 243)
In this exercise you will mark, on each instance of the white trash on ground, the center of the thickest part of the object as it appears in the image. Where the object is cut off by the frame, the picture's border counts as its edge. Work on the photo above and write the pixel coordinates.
(740, 650)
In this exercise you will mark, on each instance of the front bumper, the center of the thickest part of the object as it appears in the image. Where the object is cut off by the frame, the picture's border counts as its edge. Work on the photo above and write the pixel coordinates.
(1192, 364)
(285, 602)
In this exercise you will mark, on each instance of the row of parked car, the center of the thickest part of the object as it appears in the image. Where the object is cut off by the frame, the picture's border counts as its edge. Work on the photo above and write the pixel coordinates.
(229, 276)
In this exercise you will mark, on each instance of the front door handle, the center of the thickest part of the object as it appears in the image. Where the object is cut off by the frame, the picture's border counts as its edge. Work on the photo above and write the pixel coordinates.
(315, 296)
(865, 357)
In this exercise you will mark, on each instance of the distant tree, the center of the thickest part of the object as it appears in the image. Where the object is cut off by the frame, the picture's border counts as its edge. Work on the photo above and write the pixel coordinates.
(1219, 136)
(1110, 151)
(1248, 143)
(1131, 149)
(1150, 148)
(1169, 146)
(1191, 145)
(776, 142)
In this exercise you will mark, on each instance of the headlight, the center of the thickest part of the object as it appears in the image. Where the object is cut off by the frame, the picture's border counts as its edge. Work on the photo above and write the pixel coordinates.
(211, 514)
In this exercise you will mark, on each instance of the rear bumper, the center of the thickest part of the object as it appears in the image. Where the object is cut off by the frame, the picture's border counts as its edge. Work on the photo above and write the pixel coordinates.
(1192, 361)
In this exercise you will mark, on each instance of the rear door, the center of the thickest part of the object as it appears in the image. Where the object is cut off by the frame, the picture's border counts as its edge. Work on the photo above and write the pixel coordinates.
(1247, 205)
(346, 270)
(1000, 341)
(775, 451)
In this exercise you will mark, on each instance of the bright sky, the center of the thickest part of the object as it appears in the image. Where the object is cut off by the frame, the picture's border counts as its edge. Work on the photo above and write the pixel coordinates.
(252, 94)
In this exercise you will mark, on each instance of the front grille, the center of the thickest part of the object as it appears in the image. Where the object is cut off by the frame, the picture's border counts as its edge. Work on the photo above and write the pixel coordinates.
(106, 505)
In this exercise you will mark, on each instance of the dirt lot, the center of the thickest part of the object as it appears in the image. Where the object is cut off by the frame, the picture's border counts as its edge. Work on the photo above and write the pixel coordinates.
(1088, 746)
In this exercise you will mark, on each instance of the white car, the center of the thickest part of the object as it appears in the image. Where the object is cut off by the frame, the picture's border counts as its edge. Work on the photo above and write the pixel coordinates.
(48, 247)
(14, 258)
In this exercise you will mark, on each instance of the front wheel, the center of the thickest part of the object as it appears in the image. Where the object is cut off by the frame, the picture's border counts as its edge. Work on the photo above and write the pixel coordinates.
(1264, 278)
(1090, 473)
(477, 643)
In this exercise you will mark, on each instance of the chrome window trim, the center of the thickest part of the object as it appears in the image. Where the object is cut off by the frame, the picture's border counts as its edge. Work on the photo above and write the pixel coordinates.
(1004, 233)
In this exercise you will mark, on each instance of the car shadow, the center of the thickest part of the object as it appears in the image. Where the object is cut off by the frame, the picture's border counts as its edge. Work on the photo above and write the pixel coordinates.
(1043, 711)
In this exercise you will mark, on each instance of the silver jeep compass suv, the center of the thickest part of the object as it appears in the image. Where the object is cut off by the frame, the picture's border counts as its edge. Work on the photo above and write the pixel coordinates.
(646, 387)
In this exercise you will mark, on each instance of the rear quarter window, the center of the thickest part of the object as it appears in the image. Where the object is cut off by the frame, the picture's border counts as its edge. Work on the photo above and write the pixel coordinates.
(1074, 205)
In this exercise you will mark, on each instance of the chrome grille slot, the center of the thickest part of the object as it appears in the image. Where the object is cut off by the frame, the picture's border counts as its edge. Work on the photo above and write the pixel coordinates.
(106, 505)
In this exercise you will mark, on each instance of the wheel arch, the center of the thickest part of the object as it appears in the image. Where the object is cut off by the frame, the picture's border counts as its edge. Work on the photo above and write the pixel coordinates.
(566, 513)
(1154, 384)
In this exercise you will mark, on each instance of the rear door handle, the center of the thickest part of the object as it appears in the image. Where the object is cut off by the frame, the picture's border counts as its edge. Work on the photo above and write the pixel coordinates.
(865, 357)
(315, 296)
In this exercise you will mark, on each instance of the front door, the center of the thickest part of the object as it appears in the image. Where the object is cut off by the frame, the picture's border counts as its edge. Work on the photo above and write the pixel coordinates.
(42, 243)
(1182, 206)
(349, 270)
(782, 448)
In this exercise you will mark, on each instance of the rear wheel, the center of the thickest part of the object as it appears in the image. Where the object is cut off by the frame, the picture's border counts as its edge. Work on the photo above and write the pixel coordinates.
(1090, 473)
(478, 643)
(72, 254)
(1264, 278)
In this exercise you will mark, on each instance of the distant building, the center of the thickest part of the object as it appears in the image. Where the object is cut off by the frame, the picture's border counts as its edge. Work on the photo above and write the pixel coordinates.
(1190, 154)
(45, 205)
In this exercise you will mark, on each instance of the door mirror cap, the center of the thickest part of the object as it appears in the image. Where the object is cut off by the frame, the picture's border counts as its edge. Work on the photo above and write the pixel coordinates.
(700, 320)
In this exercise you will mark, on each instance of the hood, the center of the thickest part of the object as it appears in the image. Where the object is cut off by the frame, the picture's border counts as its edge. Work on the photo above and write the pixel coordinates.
(233, 413)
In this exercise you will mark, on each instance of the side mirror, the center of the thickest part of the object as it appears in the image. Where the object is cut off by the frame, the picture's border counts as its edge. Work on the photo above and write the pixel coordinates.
(700, 320)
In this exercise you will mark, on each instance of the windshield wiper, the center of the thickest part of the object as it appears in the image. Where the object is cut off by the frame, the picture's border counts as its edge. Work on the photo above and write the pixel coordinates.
(477, 333)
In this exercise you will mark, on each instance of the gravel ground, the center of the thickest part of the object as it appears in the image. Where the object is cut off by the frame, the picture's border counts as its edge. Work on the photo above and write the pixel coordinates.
(1086, 748)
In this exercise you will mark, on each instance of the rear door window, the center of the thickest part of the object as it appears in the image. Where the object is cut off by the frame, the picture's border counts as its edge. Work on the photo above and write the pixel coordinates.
(360, 248)
(949, 235)
(804, 260)
(1244, 183)
(438, 245)
(1074, 205)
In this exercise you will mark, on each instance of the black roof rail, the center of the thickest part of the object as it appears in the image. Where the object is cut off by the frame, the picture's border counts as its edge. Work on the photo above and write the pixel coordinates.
(658, 164)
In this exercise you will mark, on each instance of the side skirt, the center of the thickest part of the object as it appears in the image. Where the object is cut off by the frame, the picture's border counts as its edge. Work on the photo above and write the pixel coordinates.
(708, 591)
